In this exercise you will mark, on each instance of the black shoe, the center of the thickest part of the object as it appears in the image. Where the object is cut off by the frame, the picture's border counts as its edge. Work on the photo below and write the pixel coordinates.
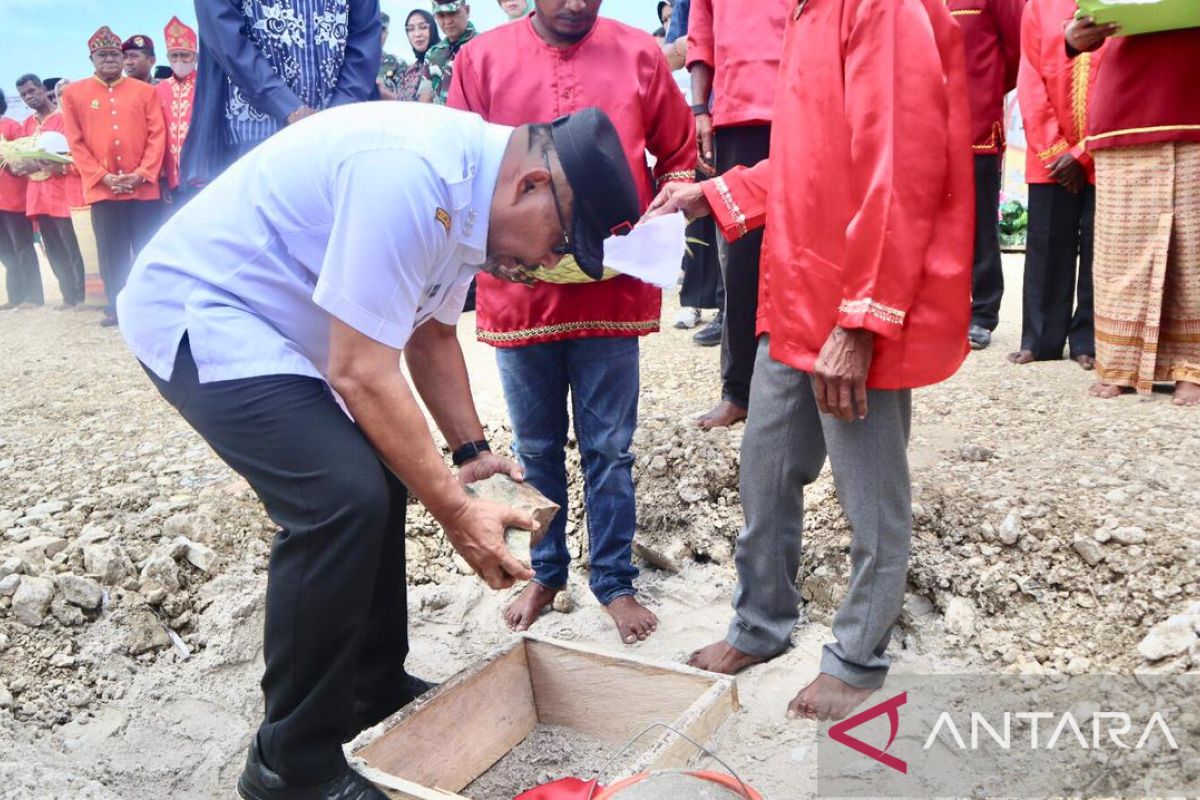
(710, 334)
(979, 337)
(109, 322)
(259, 782)
(372, 711)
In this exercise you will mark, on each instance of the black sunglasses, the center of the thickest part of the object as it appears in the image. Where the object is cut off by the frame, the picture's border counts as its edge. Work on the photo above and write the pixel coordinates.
(563, 249)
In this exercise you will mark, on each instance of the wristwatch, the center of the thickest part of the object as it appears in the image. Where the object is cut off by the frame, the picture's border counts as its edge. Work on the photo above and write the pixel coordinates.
(469, 451)
(700, 108)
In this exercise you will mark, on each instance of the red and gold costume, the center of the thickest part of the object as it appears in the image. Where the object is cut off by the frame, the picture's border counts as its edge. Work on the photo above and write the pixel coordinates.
(1055, 90)
(12, 187)
(886, 246)
(49, 194)
(114, 129)
(176, 96)
(992, 41)
(511, 76)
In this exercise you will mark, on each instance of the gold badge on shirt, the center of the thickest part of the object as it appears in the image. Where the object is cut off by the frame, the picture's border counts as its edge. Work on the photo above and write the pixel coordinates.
(443, 217)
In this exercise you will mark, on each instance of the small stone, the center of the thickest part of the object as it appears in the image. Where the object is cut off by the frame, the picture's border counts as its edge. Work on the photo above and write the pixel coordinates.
(80, 591)
(690, 493)
(32, 600)
(106, 562)
(196, 527)
(3, 642)
(159, 572)
(975, 452)
(1102, 535)
(1010, 529)
(658, 465)
(12, 566)
(961, 617)
(1089, 550)
(1117, 497)
(145, 633)
(6, 698)
(1166, 639)
(64, 612)
(47, 509)
(1078, 665)
(1129, 535)
(202, 557)
(8, 585)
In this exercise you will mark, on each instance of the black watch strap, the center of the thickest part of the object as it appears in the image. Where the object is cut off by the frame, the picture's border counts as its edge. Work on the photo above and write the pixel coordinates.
(700, 108)
(469, 451)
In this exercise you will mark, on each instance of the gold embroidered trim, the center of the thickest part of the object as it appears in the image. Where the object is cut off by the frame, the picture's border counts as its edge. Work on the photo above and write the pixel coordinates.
(967, 12)
(1131, 131)
(735, 211)
(892, 316)
(1054, 150)
(1081, 73)
(685, 175)
(994, 142)
(648, 326)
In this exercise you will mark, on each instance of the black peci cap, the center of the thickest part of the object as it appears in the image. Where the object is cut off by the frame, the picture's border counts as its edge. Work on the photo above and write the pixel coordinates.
(606, 198)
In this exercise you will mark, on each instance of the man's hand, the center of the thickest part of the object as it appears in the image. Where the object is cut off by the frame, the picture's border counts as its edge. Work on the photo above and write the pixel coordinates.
(299, 114)
(384, 92)
(1085, 35)
(677, 196)
(476, 531)
(840, 374)
(704, 144)
(1069, 173)
(487, 464)
(115, 184)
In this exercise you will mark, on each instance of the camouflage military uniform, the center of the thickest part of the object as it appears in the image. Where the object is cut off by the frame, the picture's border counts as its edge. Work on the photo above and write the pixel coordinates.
(390, 70)
(440, 61)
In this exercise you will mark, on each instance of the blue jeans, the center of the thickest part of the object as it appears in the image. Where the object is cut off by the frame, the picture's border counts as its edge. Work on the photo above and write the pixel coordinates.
(601, 377)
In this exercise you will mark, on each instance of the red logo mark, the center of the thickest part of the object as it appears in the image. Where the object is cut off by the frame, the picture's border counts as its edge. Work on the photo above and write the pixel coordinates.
(889, 707)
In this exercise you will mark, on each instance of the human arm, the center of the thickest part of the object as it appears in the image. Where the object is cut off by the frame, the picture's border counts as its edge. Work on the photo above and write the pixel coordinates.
(669, 126)
(700, 63)
(156, 140)
(1085, 35)
(364, 51)
(1007, 14)
(220, 23)
(1043, 132)
(466, 88)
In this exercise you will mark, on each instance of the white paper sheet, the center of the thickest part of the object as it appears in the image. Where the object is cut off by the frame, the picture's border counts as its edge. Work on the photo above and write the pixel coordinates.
(651, 252)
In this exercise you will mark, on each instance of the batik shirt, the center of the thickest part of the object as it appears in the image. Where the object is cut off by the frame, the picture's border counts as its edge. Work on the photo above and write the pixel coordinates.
(304, 41)
(440, 63)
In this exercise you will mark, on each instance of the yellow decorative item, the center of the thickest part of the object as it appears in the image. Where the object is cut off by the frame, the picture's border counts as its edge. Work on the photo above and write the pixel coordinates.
(567, 271)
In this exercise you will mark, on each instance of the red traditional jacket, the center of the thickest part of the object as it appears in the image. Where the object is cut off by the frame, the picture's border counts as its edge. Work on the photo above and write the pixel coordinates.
(868, 212)
(175, 97)
(47, 194)
(992, 39)
(1148, 91)
(1054, 90)
(510, 76)
(115, 129)
(12, 187)
(743, 50)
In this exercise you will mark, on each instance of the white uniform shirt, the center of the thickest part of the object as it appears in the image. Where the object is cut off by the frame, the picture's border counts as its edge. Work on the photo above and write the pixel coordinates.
(375, 213)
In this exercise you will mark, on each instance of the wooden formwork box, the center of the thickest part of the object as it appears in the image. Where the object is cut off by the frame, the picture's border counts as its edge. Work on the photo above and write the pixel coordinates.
(439, 744)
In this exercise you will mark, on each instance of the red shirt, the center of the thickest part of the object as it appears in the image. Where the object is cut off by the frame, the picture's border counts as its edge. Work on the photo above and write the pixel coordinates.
(992, 39)
(116, 130)
(1054, 89)
(1148, 91)
(12, 187)
(742, 46)
(510, 76)
(868, 212)
(47, 194)
(176, 98)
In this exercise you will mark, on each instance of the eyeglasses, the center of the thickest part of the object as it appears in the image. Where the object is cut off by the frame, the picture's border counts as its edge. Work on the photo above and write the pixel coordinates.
(563, 249)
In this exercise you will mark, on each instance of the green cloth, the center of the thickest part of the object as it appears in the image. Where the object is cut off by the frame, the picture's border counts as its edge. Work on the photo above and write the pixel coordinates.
(440, 61)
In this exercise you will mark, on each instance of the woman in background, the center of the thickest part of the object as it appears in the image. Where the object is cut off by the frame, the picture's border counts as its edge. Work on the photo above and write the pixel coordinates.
(422, 35)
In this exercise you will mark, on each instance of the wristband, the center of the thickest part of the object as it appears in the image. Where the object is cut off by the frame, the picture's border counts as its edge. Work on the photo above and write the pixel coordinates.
(700, 108)
(469, 451)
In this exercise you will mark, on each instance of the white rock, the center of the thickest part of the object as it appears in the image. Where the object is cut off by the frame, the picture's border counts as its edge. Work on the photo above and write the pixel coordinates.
(3, 642)
(1089, 550)
(47, 509)
(1117, 497)
(1010, 529)
(32, 600)
(202, 557)
(1168, 639)
(961, 617)
(106, 562)
(80, 591)
(196, 527)
(8, 585)
(1129, 535)
(12, 566)
(6, 698)
(160, 571)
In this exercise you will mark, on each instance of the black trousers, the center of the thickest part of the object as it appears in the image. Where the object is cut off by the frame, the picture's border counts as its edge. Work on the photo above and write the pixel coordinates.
(988, 273)
(123, 227)
(743, 145)
(1060, 236)
(702, 286)
(337, 615)
(22, 275)
(62, 250)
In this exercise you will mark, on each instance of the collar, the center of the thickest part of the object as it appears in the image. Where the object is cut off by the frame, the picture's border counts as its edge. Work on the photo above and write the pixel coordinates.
(571, 48)
(105, 83)
(492, 143)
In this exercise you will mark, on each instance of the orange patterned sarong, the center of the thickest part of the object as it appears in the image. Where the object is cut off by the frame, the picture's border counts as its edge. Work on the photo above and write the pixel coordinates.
(1147, 264)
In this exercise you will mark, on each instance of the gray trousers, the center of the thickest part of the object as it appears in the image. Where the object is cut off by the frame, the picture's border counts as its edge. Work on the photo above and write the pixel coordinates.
(783, 450)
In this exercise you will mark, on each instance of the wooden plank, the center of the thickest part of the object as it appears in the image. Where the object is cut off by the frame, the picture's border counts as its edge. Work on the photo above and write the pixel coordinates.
(452, 737)
(608, 696)
(701, 721)
(400, 789)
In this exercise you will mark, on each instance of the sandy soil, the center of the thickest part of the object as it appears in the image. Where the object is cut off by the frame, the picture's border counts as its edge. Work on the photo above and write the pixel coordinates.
(1042, 516)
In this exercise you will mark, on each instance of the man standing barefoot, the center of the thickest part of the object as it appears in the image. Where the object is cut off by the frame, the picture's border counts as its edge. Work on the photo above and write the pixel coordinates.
(866, 294)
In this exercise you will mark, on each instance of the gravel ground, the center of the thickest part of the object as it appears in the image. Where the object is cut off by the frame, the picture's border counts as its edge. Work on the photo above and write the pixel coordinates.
(1054, 532)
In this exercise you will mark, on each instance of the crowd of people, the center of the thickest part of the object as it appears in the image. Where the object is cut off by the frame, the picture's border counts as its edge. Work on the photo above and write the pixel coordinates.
(851, 257)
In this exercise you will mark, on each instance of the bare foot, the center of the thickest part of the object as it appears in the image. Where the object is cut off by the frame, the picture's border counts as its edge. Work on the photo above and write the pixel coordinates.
(1021, 357)
(1085, 362)
(723, 658)
(1106, 391)
(723, 415)
(529, 605)
(634, 621)
(1187, 394)
(827, 698)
